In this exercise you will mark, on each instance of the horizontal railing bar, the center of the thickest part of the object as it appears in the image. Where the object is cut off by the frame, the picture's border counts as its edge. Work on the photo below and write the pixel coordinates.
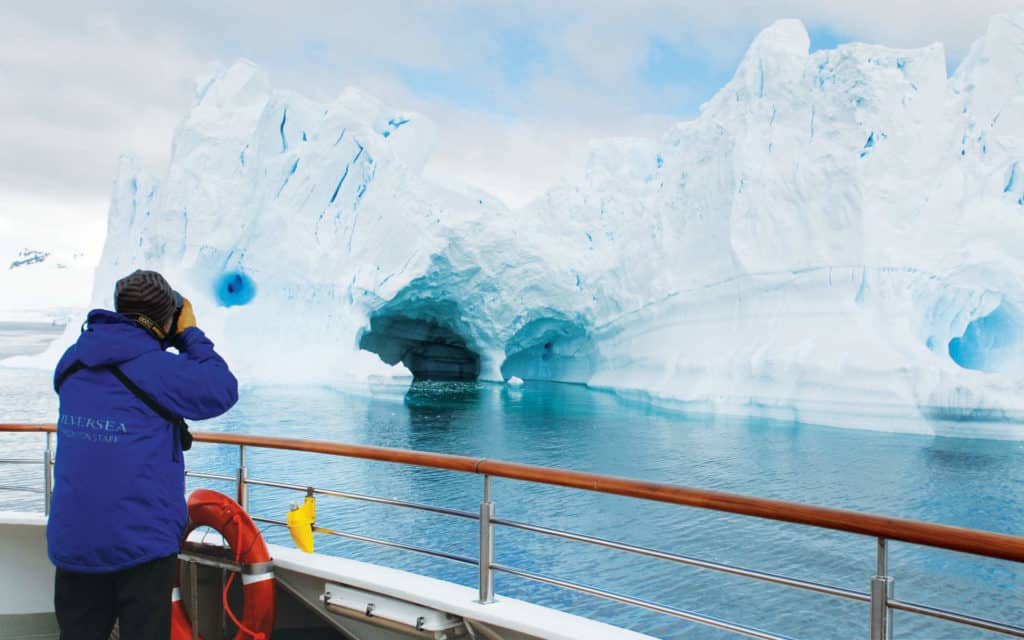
(28, 428)
(908, 531)
(386, 543)
(5, 487)
(943, 536)
(983, 543)
(365, 498)
(961, 618)
(401, 503)
(694, 562)
(210, 562)
(210, 476)
(679, 613)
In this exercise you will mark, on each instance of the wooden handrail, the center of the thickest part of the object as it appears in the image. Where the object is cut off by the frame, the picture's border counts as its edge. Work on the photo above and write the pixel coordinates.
(982, 543)
(29, 428)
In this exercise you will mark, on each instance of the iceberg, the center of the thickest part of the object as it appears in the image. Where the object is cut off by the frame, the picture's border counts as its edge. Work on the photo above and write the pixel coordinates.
(835, 239)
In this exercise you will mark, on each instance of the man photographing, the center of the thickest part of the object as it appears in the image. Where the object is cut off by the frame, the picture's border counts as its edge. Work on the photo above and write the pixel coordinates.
(118, 511)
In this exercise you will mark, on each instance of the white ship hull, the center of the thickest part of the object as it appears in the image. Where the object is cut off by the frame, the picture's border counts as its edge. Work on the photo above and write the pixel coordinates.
(401, 601)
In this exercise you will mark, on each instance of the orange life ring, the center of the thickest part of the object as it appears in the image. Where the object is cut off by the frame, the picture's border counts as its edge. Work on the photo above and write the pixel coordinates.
(216, 510)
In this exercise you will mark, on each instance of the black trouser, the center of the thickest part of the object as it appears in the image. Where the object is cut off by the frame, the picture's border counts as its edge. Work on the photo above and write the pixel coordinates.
(88, 604)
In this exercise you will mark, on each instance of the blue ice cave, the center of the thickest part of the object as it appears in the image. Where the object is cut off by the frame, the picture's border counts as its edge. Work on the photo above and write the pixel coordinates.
(989, 343)
(550, 349)
(234, 288)
(422, 339)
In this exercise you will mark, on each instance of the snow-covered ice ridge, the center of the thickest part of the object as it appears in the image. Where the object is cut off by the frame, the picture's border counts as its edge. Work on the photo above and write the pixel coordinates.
(836, 239)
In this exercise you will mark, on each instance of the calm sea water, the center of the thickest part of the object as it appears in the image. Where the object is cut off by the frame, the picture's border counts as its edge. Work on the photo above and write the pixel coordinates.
(971, 483)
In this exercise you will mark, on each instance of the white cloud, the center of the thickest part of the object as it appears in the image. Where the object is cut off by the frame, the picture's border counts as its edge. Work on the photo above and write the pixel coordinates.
(77, 95)
(84, 82)
(909, 23)
(29, 221)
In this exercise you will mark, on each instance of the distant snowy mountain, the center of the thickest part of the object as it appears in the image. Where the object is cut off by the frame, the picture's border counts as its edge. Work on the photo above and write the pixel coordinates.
(835, 239)
(44, 285)
(26, 257)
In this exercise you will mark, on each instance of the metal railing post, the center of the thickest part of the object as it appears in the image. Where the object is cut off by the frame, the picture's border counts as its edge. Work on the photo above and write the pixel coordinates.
(223, 611)
(193, 596)
(243, 478)
(486, 545)
(47, 473)
(881, 593)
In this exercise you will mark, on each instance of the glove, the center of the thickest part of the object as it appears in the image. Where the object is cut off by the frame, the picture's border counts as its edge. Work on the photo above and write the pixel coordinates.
(186, 319)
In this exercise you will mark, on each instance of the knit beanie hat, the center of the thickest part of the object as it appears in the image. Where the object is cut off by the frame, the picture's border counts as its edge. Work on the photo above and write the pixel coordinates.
(144, 293)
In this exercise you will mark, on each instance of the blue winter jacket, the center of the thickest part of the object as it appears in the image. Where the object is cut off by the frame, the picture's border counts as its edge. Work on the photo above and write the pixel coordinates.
(119, 488)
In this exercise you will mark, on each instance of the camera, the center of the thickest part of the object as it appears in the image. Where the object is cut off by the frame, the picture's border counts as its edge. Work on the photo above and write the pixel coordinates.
(179, 303)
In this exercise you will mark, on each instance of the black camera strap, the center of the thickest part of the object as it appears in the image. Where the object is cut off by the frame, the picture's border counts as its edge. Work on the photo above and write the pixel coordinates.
(156, 407)
(178, 421)
(74, 367)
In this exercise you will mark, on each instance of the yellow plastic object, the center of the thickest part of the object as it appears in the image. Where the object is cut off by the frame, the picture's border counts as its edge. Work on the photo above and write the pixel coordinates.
(300, 524)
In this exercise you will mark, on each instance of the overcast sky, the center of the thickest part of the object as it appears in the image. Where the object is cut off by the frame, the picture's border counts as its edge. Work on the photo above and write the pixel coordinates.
(517, 88)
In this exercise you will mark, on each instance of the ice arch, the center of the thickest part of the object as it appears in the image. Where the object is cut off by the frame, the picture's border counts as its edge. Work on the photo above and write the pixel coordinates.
(991, 343)
(427, 346)
(550, 349)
